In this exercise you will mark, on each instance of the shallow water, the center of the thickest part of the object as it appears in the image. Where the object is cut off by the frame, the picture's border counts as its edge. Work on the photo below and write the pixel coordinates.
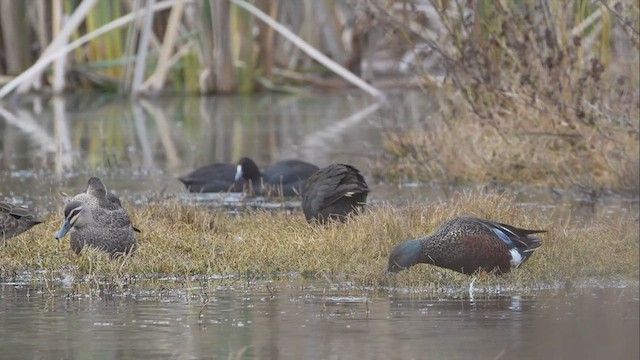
(139, 148)
(317, 321)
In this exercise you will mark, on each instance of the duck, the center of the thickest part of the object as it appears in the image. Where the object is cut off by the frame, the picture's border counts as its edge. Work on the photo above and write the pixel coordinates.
(14, 220)
(334, 192)
(467, 245)
(96, 218)
(284, 178)
(212, 178)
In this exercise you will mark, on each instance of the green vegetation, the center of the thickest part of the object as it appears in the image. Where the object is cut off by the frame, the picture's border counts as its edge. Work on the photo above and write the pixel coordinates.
(203, 47)
(180, 241)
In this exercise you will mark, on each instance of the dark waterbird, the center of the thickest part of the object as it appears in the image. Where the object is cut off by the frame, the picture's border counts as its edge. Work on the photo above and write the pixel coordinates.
(216, 177)
(97, 219)
(14, 220)
(284, 178)
(334, 192)
(466, 245)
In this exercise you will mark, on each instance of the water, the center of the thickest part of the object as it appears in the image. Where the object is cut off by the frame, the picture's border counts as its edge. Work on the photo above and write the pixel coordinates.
(139, 148)
(316, 321)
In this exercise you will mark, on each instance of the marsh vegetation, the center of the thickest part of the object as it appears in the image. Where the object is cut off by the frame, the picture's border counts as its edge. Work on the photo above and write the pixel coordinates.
(523, 112)
(543, 93)
(538, 92)
(192, 244)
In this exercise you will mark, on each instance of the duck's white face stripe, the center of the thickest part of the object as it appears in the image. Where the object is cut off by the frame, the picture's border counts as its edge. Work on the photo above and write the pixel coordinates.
(516, 258)
(74, 214)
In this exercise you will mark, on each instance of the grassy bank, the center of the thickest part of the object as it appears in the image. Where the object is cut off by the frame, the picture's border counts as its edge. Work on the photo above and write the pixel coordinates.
(182, 240)
(528, 149)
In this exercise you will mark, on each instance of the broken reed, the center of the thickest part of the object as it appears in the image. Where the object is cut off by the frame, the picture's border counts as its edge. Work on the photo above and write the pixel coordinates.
(198, 47)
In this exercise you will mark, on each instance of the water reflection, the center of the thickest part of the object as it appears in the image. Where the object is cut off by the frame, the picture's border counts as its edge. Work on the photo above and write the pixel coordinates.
(159, 139)
(177, 134)
(139, 147)
(314, 321)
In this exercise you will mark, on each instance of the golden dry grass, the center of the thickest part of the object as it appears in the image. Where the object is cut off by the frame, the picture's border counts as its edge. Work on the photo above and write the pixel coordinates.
(554, 110)
(180, 241)
(525, 149)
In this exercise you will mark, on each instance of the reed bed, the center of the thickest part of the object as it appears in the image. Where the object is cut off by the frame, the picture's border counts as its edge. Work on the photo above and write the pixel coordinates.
(174, 46)
(183, 243)
(536, 92)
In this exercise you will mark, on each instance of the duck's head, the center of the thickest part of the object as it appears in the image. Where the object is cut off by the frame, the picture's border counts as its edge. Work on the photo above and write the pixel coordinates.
(96, 188)
(405, 255)
(75, 214)
(247, 169)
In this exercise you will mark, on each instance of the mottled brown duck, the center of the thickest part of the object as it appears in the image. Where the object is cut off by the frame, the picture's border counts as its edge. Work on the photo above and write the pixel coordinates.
(97, 219)
(14, 220)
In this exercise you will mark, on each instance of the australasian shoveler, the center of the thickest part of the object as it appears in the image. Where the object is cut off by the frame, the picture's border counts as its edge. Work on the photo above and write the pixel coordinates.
(468, 244)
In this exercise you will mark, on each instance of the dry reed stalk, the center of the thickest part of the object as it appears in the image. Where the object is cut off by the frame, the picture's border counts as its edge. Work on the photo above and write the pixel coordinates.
(141, 56)
(157, 81)
(15, 31)
(223, 69)
(58, 49)
(311, 51)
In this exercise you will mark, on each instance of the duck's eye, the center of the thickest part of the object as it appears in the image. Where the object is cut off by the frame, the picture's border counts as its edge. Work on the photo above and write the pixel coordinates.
(75, 212)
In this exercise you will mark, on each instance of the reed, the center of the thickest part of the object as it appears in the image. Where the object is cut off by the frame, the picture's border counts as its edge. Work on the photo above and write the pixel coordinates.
(114, 35)
(16, 33)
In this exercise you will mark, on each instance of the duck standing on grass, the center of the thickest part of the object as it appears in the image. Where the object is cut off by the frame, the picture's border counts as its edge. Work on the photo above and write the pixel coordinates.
(14, 220)
(466, 245)
(96, 218)
(334, 192)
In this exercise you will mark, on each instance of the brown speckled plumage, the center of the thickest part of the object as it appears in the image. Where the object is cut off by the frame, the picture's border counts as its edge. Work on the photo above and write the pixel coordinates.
(334, 192)
(14, 220)
(466, 245)
(96, 218)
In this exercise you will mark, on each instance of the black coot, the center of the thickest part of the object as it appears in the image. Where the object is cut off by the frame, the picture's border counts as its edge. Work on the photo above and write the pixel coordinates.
(215, 177)
(284, 178)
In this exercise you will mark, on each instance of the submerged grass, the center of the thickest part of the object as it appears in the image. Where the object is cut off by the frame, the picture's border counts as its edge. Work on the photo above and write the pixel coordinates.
(180, 241)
